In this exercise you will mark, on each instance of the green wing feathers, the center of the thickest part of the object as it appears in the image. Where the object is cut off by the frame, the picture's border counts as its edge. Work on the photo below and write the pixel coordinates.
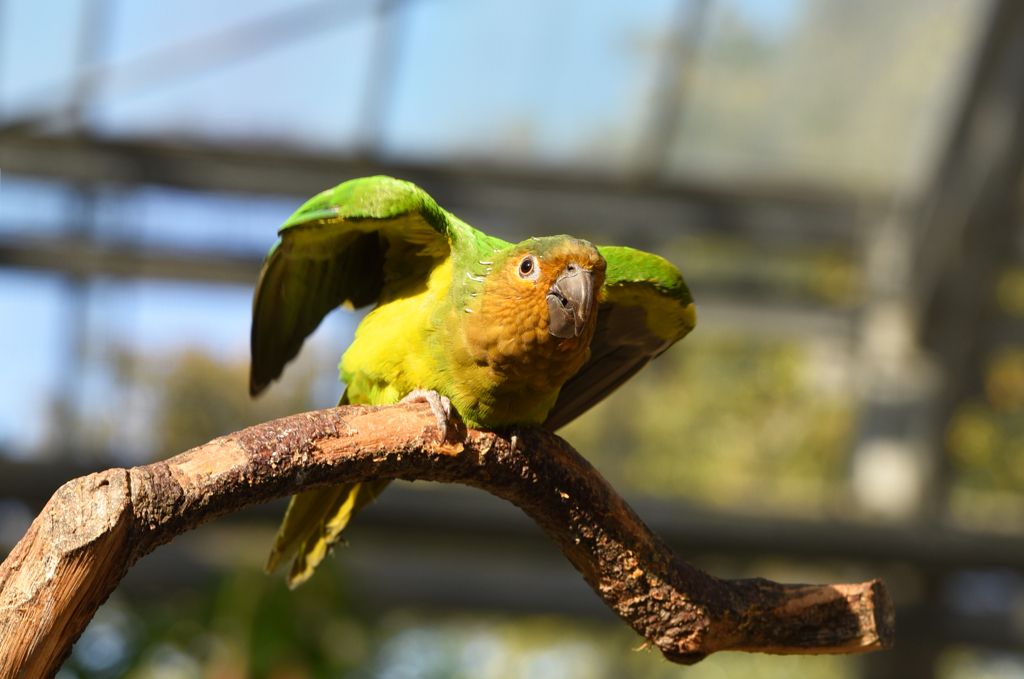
(344, 246)
(377, 197)
(653, 284)
(645, 308)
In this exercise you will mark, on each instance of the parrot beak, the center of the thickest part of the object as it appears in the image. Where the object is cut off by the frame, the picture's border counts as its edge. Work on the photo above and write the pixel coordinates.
(570, 301)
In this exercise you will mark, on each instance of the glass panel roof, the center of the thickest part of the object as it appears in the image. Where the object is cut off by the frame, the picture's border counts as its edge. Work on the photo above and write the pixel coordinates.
(830, 93)
(853, 94)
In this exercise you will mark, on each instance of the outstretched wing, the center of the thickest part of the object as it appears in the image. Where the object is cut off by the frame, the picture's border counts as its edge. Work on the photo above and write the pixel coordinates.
(645, 308)
(355, 244)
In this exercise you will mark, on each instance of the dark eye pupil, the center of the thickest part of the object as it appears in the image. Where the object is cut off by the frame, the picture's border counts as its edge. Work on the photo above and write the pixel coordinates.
(527, 266)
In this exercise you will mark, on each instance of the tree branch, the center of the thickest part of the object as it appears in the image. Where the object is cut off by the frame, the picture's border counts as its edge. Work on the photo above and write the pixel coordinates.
(94, 528)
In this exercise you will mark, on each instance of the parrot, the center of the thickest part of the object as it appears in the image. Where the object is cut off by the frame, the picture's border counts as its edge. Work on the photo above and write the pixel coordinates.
(528, 334)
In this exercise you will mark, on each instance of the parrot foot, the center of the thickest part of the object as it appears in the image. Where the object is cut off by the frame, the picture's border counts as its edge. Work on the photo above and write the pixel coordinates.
(441, 406)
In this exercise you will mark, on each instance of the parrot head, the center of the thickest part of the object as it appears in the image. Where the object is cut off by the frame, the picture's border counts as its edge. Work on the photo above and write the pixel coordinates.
(538, 309)
(567, 272)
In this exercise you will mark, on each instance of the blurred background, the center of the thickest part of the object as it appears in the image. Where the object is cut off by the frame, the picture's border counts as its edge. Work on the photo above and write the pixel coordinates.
(839, 181)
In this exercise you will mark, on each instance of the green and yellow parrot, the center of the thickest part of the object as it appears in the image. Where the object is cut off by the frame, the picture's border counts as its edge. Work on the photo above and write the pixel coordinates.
(527, 334)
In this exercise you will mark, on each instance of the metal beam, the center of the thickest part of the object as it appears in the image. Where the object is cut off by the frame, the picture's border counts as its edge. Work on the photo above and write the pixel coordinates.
(510, 203)
(87, 258)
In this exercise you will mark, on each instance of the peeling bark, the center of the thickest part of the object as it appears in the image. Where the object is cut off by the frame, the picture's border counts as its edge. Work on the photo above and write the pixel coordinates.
(94, 528)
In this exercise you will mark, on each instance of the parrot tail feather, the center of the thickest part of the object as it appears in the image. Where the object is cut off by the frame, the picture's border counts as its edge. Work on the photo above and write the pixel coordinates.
(313, 525)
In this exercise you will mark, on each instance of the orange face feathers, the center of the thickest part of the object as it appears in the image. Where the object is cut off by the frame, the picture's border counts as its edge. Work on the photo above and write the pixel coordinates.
(537, 312)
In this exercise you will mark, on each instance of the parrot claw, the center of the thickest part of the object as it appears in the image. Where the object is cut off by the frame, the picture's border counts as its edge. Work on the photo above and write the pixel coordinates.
(441, 406)
(514, 441)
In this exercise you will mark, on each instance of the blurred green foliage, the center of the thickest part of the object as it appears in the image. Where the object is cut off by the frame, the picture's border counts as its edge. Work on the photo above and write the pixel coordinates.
(985, 442)
(762, 270)
(1010, 291)
(162, 405)
(963, 662)
(201, 399)
(729, 421)
(245, 625)
(985, 437)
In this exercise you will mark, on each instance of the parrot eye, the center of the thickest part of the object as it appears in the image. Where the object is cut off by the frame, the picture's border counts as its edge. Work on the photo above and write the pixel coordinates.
(527, 267)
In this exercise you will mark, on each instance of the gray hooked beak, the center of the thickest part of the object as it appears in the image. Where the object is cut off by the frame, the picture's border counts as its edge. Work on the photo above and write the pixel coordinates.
(570, 301)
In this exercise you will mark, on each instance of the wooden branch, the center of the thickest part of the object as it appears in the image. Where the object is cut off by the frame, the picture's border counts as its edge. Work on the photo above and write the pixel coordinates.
(94, 528)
